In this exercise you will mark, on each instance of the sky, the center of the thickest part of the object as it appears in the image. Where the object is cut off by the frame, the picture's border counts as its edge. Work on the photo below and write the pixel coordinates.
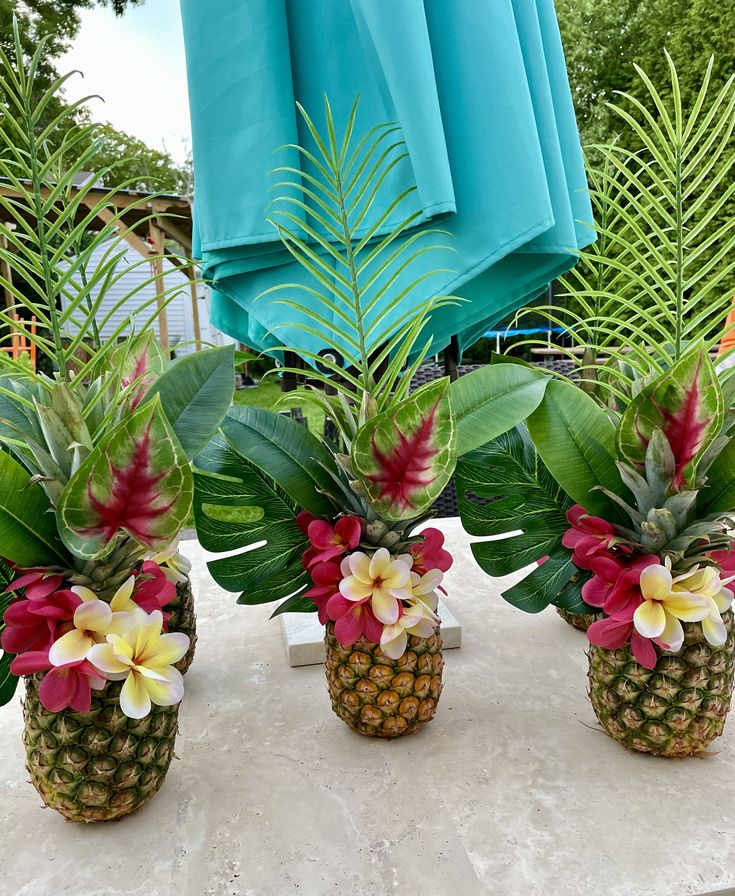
(136, 64)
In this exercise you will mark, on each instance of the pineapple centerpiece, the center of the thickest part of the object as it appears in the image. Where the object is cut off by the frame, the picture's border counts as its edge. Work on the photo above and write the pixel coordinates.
(96, 609)
(334, 529)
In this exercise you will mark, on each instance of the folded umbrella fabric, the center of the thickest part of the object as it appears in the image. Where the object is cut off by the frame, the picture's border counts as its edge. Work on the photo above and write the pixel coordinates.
(480, 91)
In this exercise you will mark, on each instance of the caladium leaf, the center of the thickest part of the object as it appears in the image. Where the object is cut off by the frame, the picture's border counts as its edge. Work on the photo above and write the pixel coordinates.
(686, 405)
(139, 364)
(137, 480)
(504, 489)
(236, 505)
(405, 456)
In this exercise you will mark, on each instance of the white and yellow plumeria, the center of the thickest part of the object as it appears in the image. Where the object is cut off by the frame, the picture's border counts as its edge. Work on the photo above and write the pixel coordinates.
(706, 581)
(384, 579)
(418, 618)
(143, 657)
(670, 600)
(175, 566)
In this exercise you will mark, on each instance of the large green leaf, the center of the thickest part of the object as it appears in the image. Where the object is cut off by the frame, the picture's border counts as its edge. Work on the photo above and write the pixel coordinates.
(405, 456)
(28, 534)
(492, 400)
(137, 480)
(576, 441)
(686, 404)
(237, 506)
(8, 681)
(718, 495)
(196, 393)
(523, 503)
(286, 452)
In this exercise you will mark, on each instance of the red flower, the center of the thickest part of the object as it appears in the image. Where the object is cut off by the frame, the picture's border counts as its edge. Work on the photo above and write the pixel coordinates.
(353, 619)
(613, 633)
(429, 553)
(37, 581)
(304, 520)
(330, 541)
(35, 624)
(62, 686)
(588, 536)
(326, 578)
(153, 591)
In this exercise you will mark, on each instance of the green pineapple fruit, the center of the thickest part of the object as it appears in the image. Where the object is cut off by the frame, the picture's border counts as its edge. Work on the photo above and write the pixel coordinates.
(98, 765)
(381, 697)
(676, 709)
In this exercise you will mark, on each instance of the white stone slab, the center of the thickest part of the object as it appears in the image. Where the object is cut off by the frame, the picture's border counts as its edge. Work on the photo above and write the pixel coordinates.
(303, 635)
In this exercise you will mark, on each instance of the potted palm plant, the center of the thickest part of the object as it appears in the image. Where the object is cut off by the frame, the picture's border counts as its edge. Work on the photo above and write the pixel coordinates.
(335, 530)
(96, 610)
(623, 489)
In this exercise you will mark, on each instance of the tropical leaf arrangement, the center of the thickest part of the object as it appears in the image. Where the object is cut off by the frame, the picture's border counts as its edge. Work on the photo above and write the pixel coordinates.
(95, 473)
(622, 489)
(336, 531)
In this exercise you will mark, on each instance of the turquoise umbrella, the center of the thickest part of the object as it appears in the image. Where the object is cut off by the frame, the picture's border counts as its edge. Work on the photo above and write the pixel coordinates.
(480, 90)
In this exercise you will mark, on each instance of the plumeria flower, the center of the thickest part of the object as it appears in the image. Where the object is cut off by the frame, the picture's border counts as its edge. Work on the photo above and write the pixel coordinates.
(380, 577)
(663, 609)
(91, 622)
(69, 686)
(142, 656)
(424, 587)
(34, 624)
(706, 581)
(353, 619)
(612, 634)
(429, 553)
(38, 582)
(332, 541)
(154, 588)
(175, 566)
(417, 620)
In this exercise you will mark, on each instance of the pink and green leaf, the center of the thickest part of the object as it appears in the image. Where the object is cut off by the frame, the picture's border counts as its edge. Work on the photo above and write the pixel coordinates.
(405, 456)
(137, 481)
(686, 405)
(140, 364)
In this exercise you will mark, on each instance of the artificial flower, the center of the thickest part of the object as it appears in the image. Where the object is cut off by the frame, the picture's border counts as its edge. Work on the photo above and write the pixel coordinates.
(384, 579)
(706, 581)
(613, 633)
(91, 622)
(154, 589)
(417, 620)
(352, 619)
(142, 656)
(625, 596)
(35, 624)
(588, 536)
(663, 609)
(175, 566)
(326, 578)
(37, 581)
(429, 553)
(62, 687)
(332, 541)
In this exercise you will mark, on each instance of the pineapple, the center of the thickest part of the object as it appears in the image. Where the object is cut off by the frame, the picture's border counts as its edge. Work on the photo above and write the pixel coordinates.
(183, 619)
(676, 709)
(581, 621)
(381, 697)
(99, 765)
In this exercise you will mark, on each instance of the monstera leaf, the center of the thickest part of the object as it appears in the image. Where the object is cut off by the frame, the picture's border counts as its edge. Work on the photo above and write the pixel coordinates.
(575, 439)
(8, 681)
(196, 393)
(519, 500)
(137, 480)
(405, 456)
(687, 405)
(237, 506)
(28, 533)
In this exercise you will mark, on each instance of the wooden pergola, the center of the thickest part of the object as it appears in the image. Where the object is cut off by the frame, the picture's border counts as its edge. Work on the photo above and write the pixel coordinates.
(147, 221)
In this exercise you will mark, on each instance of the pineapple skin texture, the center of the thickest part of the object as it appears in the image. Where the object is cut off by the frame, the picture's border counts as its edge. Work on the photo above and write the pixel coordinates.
(581, 621)
(381, 697)
(676, 709)
(99, 765)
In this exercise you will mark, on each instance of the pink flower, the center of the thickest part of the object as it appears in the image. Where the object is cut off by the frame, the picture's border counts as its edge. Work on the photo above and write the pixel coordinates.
(35, 624)
(62, 687)
(614, 633)
(588, 536)
(429, 553)
(625, 596)
(353, 619)
(326, 578)
(37, 581)
(598, 589)
(153, 590)
(333, 541)
(303, 520)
